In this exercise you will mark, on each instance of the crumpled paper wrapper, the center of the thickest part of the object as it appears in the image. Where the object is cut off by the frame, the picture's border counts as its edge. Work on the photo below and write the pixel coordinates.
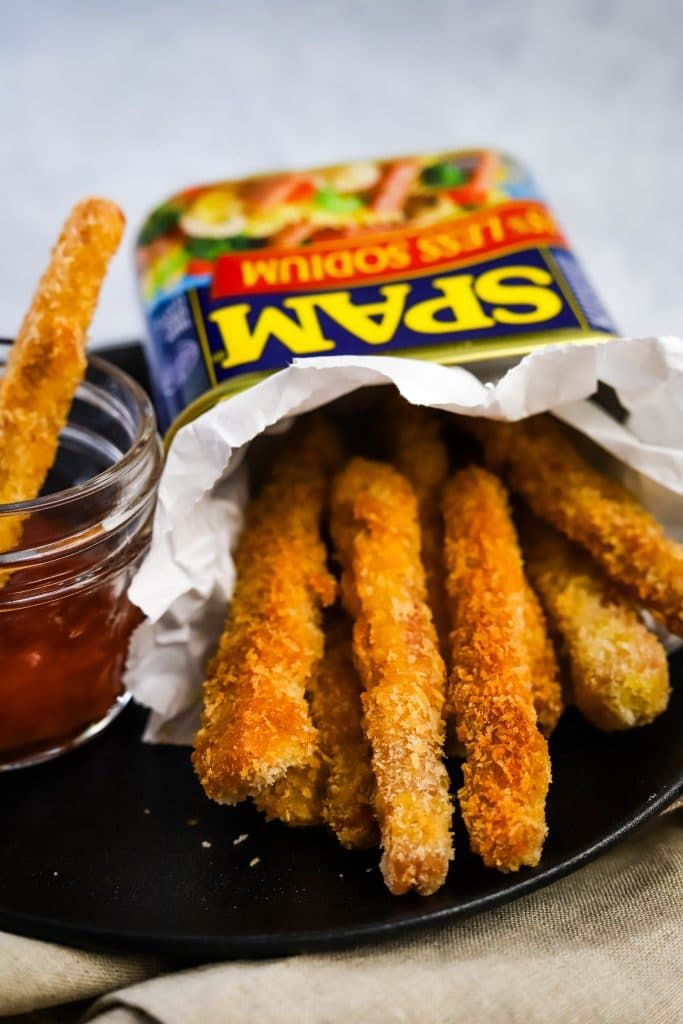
(185, 583)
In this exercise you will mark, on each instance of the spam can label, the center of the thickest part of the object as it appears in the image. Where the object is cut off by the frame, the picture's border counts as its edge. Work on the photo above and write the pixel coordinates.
(450, 257)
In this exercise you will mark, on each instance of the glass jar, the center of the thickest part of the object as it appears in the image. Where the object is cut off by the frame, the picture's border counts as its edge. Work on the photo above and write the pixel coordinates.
(65, 619)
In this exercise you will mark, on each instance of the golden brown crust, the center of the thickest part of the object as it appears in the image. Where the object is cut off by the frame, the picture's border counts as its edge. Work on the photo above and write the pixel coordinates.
(256, 724)
(297, 798)
(420, 453)
(546, 686)
(376, 534)
(47, 361)
(619, 670)
(507, 768)
(338, 715)
(336, 786)
(540, 462)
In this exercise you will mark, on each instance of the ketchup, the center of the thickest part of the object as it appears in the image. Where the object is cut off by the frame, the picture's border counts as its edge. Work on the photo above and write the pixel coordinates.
(61, 658)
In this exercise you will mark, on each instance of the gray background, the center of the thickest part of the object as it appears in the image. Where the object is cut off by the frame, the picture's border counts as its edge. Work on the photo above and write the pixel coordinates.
(134, 100)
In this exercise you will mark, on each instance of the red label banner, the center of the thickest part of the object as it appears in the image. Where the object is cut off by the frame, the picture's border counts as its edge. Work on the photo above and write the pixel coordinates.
(361, 257)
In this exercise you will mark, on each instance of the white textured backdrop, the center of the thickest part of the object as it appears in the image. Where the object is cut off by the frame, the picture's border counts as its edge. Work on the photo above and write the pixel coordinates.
(134, 99)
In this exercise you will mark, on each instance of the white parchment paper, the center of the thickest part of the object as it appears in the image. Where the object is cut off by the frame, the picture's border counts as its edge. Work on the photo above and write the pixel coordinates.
(185, 583)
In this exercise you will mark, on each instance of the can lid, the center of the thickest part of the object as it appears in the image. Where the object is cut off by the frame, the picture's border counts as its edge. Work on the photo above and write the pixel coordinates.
(452, 257)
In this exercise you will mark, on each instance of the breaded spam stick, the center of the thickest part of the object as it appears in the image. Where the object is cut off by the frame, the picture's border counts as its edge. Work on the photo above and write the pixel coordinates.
(47, 361)
(376, 535)
(420, 453)
(618, 669)
(546, 687)
(540, 462)
(297, 798)
(507, 769)
(338, 715)
(336, 787)
(256, 723)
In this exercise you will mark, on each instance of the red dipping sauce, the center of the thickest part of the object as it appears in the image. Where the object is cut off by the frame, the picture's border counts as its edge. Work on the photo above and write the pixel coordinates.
(65, 619)
(62, 661)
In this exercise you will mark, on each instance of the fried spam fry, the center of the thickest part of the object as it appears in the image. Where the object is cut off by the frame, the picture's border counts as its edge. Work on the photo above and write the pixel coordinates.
(256, 723)
(336, 786)
(376, 534)
(506, 772)
(546, 686)
(338, 715)
(298, 797)
(541, 464)
(420, 453)
(47, 360)
(618, 668)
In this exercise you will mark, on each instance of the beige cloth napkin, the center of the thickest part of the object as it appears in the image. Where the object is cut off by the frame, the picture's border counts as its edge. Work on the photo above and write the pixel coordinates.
(604, 946)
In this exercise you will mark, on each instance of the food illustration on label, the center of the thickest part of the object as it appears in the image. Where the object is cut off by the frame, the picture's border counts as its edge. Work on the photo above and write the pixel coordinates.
(451, 257)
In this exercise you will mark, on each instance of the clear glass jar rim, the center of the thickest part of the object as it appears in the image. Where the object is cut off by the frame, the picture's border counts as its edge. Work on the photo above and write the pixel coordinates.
(146, 431)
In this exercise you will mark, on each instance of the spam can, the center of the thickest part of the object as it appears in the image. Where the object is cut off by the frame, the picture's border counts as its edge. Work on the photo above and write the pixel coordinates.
(452, 257)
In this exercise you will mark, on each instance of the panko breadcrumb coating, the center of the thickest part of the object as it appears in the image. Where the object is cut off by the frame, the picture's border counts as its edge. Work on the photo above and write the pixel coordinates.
(506, 771)
(338, 714)
(540, 462)
(420, 453)
(376, 534)
(47, 360)
(298, 797)
(336, 786)
(546, 686)
(619, 672)
(256, 723)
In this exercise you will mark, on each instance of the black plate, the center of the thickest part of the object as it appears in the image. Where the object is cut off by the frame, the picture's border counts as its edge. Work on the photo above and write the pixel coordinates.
(115, 846)
(100, 851)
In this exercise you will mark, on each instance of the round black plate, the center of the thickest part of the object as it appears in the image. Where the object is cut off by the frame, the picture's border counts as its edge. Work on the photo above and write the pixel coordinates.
(115, 846)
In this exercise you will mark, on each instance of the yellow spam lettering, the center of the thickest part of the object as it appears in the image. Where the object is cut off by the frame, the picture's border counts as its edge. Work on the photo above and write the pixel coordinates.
(375, 323)
(462, 303)
(456, 309)
(302, 334)
(543, 303)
